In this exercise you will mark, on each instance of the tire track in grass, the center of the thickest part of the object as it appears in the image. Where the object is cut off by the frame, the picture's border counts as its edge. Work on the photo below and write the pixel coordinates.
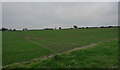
(46, 57)
(37, 43)
(28, 38)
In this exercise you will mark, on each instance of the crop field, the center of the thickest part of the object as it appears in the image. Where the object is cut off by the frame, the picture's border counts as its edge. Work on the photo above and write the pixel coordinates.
(21, 46)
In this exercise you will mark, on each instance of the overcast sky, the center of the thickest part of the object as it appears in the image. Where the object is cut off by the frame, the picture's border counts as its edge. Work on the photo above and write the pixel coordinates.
(35, 15)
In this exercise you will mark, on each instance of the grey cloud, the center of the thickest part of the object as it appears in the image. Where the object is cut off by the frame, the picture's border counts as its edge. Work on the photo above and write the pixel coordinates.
(41, 14)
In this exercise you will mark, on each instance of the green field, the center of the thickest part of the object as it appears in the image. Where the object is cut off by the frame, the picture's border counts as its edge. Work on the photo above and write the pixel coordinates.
(104, 55)
(23, 46)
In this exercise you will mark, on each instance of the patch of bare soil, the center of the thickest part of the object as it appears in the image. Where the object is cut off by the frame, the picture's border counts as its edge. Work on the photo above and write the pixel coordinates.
(39, 38)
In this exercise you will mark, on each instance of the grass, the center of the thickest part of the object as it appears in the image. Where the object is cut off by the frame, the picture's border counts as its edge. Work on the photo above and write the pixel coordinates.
(0, 49)
(18, 49)
(104, 55)
(22, 46)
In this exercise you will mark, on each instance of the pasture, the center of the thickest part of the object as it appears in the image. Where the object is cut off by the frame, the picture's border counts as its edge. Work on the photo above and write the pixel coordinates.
(23, 46)
(104, 55)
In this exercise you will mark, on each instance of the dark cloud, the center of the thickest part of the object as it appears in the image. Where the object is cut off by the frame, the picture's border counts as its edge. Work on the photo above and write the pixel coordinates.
(66, 14)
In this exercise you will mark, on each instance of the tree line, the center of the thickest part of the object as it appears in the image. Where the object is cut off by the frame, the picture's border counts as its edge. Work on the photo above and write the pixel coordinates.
(74, 27)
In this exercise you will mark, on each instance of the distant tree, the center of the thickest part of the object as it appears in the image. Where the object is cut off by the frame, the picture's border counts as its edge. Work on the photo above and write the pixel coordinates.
(71, 28)
(110, 26)
(83, 27)
(4, 29)
(14, 29)
(25, 29)
(102, 27)
(60, 28)
(48, 29)
(86, 27)
(10, 29)
(75, 26)
(55, 28)
(118, 26)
